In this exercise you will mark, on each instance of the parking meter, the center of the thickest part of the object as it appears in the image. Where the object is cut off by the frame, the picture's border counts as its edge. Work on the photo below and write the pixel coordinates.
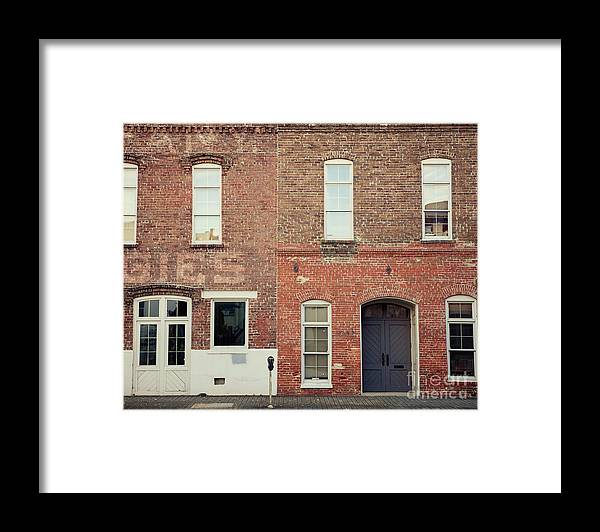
(270, 365)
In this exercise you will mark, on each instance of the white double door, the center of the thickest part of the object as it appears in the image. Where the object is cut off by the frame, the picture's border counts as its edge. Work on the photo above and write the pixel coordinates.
(161, 357)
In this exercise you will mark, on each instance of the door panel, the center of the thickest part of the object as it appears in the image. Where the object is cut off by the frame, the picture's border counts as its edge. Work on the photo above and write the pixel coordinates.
(373, 349)
(398, 335)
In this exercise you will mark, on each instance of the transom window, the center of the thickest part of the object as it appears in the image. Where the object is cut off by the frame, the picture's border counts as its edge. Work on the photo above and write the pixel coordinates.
(437, 199)
(339, 223)
(316, 344)
(130, 187)
(461, 334)
(206, 221)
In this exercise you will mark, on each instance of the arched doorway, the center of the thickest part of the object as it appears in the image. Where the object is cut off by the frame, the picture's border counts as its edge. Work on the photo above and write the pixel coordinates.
(386, 346)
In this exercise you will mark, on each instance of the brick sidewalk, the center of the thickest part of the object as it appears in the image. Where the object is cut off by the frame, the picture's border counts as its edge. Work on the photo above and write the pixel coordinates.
(295, 402)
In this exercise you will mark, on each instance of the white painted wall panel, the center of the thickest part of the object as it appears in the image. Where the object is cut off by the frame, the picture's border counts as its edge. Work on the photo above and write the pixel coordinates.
(244, 373)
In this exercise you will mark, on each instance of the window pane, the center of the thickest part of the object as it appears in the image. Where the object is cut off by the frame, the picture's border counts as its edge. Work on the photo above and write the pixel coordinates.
(310, 346)
(315, 314)
(396, 312)
(230, 323)
(130, 177)
(148, 309)
(180, 358)
(172, 359)
(310, 373)
(466, 310)
(462, 363)
(373, 311)
(339, 225)
(454, 329)
(436, 197)
(436, 223)
(129, 195)
(210, 177)
(321, 346)
(322, 373)
(455, 342)
(337, 173)
(182, 308)
(207, 201)
(129, 228)
(338, 197)
(454, 310)
(322, 361)
(467, 329)
(206, 228)
(436, 173)
(310, 360)
(143, 358)
(171, 307)
(322, 333)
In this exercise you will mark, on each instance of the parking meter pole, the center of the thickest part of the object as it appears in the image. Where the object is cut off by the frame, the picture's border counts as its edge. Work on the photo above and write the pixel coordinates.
(270, 389)
(270, 366)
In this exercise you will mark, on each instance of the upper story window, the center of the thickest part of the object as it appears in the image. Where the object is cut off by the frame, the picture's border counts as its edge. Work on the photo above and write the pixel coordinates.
(316, 344)
(339, 223)
(437, 199)
(461, 337)
(206, 222)
(130, 186)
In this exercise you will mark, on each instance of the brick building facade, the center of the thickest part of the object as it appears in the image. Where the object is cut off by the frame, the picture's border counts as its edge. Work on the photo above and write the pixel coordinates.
(346, 251)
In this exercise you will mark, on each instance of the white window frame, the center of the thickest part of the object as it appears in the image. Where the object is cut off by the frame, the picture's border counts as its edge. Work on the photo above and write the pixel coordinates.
(473, 320)
(229, 348)
(136, 167)
(194, 214)
(449, 183)
(162, 336)
(316, 383)
(349, 163)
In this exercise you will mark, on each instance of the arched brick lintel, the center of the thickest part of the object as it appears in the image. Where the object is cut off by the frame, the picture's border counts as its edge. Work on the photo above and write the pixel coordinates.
(221, 159)
(133, 292)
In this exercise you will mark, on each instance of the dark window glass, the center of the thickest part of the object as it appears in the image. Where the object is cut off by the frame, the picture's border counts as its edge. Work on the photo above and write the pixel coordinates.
(455, 342)
(467, 329)
(147, 345)
(230, 323)
(148, 309)
(396, 312)
(454, 310)
(462, 363)
(176, 308)
(373, 311)
(454, 329)
(171, 307)
(436, 223)
(466, 310)
(176, 353)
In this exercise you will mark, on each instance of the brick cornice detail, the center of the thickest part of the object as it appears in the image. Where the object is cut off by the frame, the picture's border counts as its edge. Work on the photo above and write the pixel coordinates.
(200, 128)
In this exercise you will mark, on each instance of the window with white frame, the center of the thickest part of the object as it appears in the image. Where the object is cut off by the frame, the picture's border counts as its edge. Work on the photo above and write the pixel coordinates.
(461, 337)
(160, 318)
(130, 187)
(316, 344)
(206, 216)
(339, 223)
(437, 199)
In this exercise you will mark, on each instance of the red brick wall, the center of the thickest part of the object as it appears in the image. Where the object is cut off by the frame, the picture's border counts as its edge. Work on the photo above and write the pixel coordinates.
(164, 254)
(387, 230)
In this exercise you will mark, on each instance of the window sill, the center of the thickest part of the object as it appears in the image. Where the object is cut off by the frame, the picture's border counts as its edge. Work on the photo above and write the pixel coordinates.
(462, 379)
(225, 350)
(334, 241)
(316, 386)
(206, 245)
(436, 240)
(130, 245)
